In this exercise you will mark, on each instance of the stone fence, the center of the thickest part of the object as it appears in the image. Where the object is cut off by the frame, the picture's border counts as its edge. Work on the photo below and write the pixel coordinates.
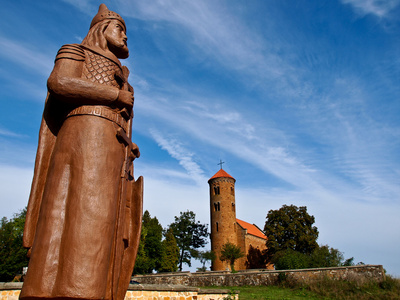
(11, 291)
(360, 274)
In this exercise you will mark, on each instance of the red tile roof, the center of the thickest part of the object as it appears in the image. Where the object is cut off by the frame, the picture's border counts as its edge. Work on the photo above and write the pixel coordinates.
(251, 229)
(221, 173)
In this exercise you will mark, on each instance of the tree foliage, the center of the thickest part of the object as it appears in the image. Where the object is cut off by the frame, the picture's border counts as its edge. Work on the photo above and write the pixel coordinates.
(325, 256)
(290, 227)
(230, 253)
(12, 255)
(289, 259)
(205, 257)
(190, 235)
(142, 261)
(292, 241)
(322, 257)
(170, 253)
(150, 248)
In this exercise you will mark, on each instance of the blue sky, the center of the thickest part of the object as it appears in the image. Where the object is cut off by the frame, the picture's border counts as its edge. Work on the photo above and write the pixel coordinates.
(300, 99)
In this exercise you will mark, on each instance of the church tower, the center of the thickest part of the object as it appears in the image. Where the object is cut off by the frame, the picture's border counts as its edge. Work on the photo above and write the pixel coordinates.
(223, 215)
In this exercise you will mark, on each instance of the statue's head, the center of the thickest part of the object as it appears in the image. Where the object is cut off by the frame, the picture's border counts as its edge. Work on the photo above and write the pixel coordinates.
(108, 32)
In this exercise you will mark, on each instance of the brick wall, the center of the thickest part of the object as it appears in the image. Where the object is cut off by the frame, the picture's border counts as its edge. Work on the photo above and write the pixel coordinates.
(264, 277)
(244, 241)
(11, 291)
(224, 215)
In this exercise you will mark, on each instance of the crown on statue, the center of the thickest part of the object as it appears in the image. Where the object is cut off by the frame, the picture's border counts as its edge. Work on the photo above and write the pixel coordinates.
(104, 13)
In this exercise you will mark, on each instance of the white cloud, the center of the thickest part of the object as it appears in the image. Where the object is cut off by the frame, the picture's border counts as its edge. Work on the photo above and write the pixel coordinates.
(378, 8)
(335, 158)
(214, 30)
(26, 56)
(178, 151)
(8, 133)
(15, 185)
(165, 199)
(251, 145)
(84, 6)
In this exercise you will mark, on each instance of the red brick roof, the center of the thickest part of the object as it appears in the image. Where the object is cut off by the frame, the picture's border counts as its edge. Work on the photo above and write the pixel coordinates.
(252, 229)
(221, 173)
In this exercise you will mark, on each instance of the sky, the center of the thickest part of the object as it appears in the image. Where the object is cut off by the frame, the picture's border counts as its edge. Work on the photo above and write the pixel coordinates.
(299, 99)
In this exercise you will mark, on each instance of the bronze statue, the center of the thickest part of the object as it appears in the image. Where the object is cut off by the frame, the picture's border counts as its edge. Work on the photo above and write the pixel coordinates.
(84, 213)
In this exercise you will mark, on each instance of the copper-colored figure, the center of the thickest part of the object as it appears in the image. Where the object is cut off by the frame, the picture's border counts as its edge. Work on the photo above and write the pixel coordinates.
(84, 213)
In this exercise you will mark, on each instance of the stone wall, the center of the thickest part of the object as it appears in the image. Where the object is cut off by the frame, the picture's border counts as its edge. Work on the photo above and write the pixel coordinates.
(11, 291)
(264, 277)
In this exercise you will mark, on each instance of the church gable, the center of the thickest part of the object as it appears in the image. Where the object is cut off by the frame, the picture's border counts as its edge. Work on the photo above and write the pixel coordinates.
(251, 229)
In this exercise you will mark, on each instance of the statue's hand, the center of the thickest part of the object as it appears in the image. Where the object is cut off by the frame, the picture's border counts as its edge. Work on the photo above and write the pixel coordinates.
(125, 99)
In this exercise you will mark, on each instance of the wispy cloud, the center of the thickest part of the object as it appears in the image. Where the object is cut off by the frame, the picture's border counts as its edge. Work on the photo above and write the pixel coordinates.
(184, 157)
(302, 99)
(26, 56)
(377, 8)
(85, 6)
(8, 133)
(213, 30)
(258, 149)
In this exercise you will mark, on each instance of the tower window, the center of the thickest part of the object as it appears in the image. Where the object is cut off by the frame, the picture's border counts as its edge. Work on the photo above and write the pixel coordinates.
(217, 226)
(218, 206)
(232, 191)
(216, 190)
(233, 206)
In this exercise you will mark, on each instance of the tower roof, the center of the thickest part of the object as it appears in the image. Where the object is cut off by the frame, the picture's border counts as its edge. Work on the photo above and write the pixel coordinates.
(221, 173)
(251, 229)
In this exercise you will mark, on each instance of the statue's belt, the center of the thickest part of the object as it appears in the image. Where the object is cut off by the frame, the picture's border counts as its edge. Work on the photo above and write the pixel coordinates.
(102, 112)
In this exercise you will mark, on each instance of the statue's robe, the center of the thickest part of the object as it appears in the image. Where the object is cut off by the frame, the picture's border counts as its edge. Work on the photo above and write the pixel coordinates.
(72, 216)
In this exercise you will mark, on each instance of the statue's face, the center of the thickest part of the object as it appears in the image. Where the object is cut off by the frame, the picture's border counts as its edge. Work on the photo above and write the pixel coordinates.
(116, 39)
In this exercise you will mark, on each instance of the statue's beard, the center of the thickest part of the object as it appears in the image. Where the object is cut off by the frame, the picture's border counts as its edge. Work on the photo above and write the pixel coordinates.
(120, 50)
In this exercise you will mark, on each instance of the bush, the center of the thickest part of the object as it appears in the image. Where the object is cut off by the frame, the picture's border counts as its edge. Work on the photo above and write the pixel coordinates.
(12, 255)
(289, 259)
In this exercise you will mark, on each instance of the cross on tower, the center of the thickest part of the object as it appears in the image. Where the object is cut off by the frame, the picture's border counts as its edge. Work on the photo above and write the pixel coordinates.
(220, 163)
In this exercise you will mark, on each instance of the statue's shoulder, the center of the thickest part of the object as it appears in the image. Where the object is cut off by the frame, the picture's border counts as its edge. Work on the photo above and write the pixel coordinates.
(71, 51)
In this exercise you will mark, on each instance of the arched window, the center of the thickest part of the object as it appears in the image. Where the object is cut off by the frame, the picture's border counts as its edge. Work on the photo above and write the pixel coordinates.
(216, 190)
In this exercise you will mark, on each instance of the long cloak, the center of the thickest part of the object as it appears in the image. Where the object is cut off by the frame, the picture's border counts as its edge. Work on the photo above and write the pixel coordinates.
(73, 206)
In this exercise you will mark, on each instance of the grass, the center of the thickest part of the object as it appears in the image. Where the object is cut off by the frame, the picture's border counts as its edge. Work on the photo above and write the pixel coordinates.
(272, 292)
(325, 289)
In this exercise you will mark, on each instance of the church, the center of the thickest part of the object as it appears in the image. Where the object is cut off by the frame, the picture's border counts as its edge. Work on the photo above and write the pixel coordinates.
(225, 227)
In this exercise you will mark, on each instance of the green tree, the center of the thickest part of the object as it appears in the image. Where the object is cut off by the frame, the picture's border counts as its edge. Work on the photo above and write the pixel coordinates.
(322, 257)
(142, 261)
(230, 253)
(150, 247)
(170, 253)
(12, 255)
(325, 256)
(290, 227)
(349, 262)
(204, 257)
(289, 259)
(190, 235)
